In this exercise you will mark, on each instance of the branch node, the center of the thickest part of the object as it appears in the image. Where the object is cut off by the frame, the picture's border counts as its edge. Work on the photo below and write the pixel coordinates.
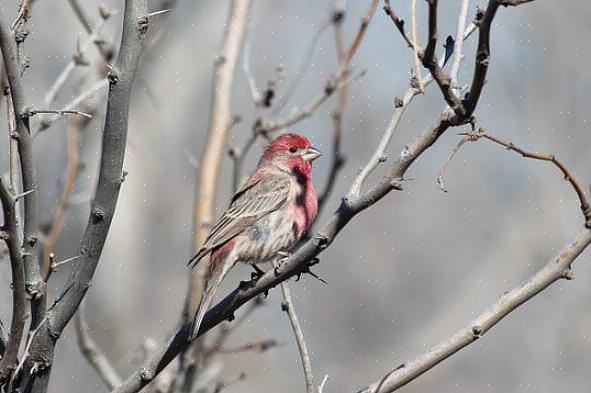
(476, 331)
(97, 215)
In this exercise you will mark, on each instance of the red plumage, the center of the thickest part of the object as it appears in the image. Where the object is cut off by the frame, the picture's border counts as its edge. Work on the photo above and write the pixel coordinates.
(272, 211)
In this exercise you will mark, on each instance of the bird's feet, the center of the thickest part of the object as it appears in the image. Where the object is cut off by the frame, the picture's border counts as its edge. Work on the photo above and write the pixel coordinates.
(258, 272)
(282, 256)
(310, 272)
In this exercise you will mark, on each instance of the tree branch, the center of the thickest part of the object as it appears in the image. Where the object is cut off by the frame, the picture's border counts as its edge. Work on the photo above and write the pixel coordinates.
(92, 352)
(557, 268)
(9, 232)
(584, 203)
(38, 364)
(34, 284)
(287, 306)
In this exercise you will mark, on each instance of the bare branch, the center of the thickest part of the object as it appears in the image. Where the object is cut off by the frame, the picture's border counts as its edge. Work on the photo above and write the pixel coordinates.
(415, 46)
(256, 346)
(73, 156)
(443, 170)
(323, 384)
(34, 284)
(34, 112)
(379, 155)
(48, 120)
(584, 203)
(10, 233)
(287, 306)
(110, 178)
(105, 47)
(304, 65)
(557, 268)
(77, 59)
(92, 353)
(458, 43)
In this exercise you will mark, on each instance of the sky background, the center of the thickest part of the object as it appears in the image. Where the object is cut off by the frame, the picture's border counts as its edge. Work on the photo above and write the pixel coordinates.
(404, 274)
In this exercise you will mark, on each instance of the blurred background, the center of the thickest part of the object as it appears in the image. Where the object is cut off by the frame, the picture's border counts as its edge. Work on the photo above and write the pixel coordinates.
(404, 274)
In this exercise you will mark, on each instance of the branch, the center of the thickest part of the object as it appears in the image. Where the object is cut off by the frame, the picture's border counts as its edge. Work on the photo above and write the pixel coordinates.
(345, 56)
(557, 268)
(34, 285)
(9, 232)
(458, 43)
(77, 59)
(47, 121)
(38, 365)
(73, 157)
(105, 47)
(287, 306)
(92, 353)
(584, 203)
(221, 121)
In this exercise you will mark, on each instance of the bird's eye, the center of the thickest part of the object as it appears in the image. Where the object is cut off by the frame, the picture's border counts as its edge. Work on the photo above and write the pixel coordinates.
(293, 149)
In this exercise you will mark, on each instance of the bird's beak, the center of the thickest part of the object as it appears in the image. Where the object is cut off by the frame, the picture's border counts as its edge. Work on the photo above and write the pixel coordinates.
(311, 154)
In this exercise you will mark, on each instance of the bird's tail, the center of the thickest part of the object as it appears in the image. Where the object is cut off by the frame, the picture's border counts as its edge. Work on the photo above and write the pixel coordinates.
(212, 283)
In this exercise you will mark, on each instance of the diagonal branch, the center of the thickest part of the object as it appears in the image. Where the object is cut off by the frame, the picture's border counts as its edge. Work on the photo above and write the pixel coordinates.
(92, 352)
(557, 268)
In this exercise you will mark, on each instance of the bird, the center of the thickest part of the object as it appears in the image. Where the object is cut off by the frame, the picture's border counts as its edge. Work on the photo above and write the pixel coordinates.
(272, 210)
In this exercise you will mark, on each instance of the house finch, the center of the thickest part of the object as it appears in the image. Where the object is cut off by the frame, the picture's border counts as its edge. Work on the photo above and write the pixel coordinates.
(272, 210)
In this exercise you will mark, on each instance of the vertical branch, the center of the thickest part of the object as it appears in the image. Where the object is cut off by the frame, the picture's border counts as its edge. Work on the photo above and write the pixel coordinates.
(68, 187)
(38, 364)
(287, 306)
(9, 232)
(220, 123)
(34, 285)
(458, 43)
(345, 56)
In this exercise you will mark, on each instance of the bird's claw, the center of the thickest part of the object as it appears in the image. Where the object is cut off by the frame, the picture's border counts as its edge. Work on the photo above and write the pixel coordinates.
(258, 272)
(310, 272)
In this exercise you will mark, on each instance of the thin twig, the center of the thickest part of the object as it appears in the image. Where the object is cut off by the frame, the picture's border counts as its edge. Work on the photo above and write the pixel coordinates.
(568, 176)
(304, 65)
(92, 353)
(48, 120)
(77, 59)
(34, 112)
(445, 166)
(458, 43)
(415, 46)
(379, 154)
(255, 346)
(323, 384)
(287, 306)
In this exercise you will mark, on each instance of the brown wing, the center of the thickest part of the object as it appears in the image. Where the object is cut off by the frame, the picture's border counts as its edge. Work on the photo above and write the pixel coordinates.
(248, 205)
